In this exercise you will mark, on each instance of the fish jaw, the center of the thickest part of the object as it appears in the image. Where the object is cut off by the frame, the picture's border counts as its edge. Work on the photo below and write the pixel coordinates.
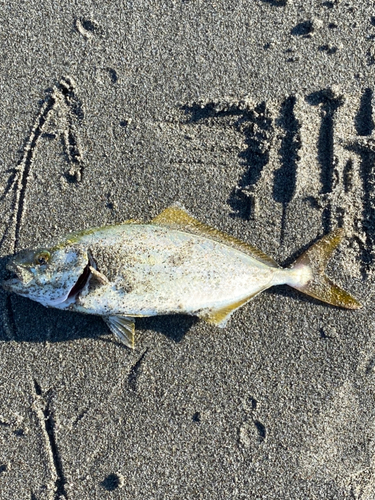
(14, 285)
(52, 284)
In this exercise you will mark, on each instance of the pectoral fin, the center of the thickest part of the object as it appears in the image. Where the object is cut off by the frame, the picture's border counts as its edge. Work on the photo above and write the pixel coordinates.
(98, 277)
(220, 317)
(123, 328)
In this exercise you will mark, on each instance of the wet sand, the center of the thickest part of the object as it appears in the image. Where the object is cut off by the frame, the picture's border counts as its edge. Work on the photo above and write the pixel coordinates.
(258, 118)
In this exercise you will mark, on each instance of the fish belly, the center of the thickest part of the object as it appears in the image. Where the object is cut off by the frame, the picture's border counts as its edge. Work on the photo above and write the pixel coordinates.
(155, 270)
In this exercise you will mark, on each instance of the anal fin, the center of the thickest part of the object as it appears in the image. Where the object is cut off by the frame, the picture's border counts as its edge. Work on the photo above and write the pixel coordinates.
(220, 317)
(123, 328)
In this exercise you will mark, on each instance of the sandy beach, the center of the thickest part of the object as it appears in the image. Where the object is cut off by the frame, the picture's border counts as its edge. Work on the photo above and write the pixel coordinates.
(256, 116)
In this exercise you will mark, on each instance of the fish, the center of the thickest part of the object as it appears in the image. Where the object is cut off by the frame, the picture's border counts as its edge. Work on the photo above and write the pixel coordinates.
(173, 264)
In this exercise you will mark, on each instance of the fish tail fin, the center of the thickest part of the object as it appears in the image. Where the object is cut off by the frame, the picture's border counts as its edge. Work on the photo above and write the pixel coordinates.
(307, 274)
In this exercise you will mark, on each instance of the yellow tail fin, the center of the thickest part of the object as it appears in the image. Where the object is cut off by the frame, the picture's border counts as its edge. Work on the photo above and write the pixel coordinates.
(311, 266)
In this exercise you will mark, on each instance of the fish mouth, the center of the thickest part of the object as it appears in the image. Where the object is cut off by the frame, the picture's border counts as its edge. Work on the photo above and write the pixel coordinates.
(19, 283)
(14, 268)
(11, 284)
(23, 274)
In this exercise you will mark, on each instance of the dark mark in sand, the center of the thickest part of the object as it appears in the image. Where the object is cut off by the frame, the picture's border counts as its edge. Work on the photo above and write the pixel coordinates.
(112, 482)
(48, 424)
(134, 371)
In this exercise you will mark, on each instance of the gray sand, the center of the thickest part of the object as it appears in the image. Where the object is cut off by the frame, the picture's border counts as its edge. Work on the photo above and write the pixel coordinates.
(257, 117)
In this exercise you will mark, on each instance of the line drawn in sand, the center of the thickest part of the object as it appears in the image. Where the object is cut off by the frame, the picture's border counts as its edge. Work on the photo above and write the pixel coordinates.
(62, 98)
(317, 149)
(47, 420)
(260, 129)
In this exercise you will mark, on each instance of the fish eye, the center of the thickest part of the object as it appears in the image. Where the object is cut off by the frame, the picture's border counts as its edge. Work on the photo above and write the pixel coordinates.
(41, 258)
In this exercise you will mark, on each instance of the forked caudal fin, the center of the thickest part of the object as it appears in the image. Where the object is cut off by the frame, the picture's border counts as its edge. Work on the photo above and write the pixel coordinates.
(307, 273)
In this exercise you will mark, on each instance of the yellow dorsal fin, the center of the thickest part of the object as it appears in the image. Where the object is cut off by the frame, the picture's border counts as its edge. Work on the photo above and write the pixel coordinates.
(219, 317)
(178, 218)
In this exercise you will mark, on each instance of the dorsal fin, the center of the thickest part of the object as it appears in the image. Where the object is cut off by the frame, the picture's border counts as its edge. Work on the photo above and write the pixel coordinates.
(178, 218)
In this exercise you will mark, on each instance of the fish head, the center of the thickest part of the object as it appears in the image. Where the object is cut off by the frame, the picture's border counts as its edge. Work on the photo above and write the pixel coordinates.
(49, 276)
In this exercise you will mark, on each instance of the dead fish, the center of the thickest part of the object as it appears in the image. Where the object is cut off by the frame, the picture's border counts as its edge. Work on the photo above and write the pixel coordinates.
(173, 264)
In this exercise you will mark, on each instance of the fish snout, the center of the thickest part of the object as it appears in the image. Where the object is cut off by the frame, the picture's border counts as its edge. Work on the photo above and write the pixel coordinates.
(10, 285)
(23, 273)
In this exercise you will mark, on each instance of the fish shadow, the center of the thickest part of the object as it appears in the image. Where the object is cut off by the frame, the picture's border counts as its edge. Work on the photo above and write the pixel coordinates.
(295, 295)
(28, 321)
(172, 326)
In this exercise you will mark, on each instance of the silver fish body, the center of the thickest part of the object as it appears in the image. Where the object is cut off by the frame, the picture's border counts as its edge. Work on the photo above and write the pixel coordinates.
(155, 270)
(174, 264)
